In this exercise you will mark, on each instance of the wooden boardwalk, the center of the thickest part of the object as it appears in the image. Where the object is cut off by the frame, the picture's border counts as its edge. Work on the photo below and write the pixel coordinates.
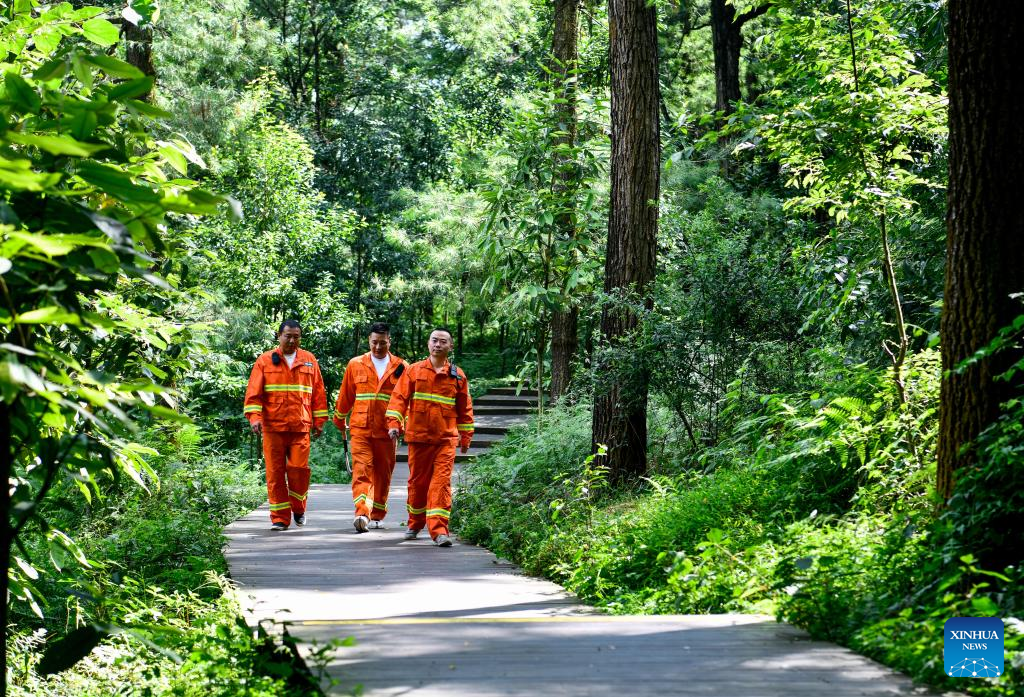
(459, 622)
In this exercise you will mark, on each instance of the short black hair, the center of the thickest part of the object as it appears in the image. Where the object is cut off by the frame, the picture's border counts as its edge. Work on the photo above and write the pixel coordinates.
(290, 324)
(380, 328)
(446, 330)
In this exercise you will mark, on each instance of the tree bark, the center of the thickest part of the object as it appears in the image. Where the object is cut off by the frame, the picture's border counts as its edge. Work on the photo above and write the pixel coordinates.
(138, 50)
(984, 221)
(726, 42)
(620, 407)
(564, 51)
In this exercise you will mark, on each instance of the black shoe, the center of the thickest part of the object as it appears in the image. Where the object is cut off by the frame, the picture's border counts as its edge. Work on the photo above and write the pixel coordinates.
(300, 519)
(278, 527)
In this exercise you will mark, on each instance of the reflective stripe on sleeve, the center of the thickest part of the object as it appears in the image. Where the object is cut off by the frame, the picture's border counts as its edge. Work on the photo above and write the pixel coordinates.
(252, 408)
(395, 415)
(465, 427)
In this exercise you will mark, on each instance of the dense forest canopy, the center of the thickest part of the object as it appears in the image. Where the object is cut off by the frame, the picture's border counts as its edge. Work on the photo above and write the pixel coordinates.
(764, 255)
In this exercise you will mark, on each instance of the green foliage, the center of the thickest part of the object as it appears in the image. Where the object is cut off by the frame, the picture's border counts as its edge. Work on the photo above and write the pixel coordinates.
(726, 304)
(207, 53)
(856, 121)
(544, 210)
(179, 644)
(91, 337)
(285, 260)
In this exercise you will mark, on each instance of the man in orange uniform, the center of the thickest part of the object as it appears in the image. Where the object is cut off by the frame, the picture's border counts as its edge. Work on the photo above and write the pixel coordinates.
(284, 400)
(431, 402)
(362, 401)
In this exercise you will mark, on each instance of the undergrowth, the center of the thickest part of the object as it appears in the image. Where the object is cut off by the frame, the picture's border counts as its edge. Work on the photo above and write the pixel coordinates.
(817, 508)
(170, 621)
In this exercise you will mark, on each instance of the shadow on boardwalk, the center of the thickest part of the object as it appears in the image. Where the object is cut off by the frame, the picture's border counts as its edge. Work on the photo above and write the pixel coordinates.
(459, 621)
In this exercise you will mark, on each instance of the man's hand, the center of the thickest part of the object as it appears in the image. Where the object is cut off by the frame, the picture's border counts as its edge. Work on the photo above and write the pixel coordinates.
(393, 433)
(257, 427)
(317, 431)
(464, 449)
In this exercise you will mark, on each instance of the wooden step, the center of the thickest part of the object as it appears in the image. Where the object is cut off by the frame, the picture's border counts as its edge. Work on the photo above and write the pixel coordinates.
(490, 400)
(474, 451)
(486, 409)
(512, 392)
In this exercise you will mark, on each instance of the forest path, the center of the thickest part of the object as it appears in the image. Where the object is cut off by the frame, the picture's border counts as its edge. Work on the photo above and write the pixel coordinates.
(460, 622)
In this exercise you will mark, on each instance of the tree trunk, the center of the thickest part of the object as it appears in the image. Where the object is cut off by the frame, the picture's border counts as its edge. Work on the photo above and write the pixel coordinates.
(461, 318)
(984, 221)
(726, 44)
(318, 113)
(138, 50)
(564, 52)
(620, 407)
(564, 343)
(726, 41)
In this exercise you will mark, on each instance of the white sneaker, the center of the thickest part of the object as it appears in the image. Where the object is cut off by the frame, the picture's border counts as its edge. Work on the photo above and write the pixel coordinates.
(411, 534)
(443, 541)
(361, 523)
(377, 525)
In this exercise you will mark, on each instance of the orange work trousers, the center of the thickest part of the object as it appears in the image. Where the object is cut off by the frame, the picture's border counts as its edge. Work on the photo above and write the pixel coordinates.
(373, 462)
(287, 456)
(430, 486)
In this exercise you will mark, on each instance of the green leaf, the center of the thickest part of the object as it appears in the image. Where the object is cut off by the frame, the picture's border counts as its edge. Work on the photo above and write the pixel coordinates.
(56, 145)
(83, 124)
(21, 94)
(147, 109)
(116, 183)
(115, 67)
(53, 70)
(47, 42)
(984, 606)
(131, 89)
(51, 314)
(17, 175)
(105, 260)
(100, 31)
(166, 414)
(66, 652)
(175, 159)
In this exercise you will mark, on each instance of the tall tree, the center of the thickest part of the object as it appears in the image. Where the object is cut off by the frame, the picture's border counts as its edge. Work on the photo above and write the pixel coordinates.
(984, 220)
(727, 41)
(620, 405)
(564, 320)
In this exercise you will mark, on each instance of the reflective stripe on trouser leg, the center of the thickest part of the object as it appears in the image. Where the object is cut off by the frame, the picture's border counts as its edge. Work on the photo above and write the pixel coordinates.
(362, 472)
(383, 467)
(421, 468)
(430, 486)
(298, 471)
(275, 455)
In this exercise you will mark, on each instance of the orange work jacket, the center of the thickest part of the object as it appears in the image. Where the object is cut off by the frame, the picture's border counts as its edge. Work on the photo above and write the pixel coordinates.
(432, 406)
(363, 398)
(283, 398)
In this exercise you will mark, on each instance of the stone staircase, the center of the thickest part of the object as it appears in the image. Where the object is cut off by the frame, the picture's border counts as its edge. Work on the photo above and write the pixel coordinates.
(494, 413)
